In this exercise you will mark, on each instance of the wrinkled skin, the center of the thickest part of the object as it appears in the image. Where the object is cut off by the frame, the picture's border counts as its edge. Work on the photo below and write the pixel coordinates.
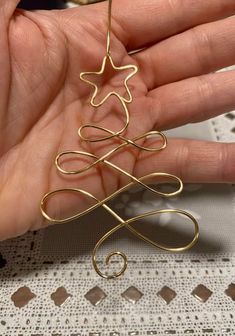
(43, 101)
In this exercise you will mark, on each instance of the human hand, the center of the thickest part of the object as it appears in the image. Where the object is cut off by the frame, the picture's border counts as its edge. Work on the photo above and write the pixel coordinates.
(43, 101)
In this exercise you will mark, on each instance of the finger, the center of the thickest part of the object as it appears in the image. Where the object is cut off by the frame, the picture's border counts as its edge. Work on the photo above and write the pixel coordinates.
(197, 51)
(7, 8)
(192, 161)
(191, 100)
(139, 23)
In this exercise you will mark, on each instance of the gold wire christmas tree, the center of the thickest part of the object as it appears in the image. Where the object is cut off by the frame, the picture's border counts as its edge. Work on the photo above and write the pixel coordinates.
(105, 160)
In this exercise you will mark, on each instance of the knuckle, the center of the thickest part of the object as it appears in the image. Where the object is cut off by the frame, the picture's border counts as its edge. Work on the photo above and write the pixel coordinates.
(226, 163)
(205, 93)
(202, 46)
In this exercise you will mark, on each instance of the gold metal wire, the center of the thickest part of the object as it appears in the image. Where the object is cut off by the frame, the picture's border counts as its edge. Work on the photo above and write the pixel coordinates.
(109, 27)
(108, 58)
(144, 181)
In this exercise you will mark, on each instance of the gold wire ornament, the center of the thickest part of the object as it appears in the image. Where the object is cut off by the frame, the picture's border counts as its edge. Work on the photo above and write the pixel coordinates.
(108, 58)
(105, 160)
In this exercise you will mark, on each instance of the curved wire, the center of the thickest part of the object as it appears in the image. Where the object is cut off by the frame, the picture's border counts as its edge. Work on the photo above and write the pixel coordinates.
(108, 58)
(110, 164)
(98, 203)
(143, 181)
(123, 223)
(111, 152)
(139, 235)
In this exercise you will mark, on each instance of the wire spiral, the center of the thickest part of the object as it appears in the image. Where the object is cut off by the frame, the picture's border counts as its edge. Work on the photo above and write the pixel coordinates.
(104, 160)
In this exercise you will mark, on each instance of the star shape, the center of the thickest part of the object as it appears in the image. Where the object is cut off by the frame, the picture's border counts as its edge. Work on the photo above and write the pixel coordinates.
(108, 58)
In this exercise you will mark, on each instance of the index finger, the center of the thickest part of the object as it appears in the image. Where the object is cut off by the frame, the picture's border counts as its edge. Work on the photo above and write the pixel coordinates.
(140, 23)
(192, 161)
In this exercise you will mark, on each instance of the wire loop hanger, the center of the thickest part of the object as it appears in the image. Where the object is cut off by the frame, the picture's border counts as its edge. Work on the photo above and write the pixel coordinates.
(105, 160)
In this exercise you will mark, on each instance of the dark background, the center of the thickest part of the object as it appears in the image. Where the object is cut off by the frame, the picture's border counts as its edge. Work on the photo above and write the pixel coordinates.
(41, 4)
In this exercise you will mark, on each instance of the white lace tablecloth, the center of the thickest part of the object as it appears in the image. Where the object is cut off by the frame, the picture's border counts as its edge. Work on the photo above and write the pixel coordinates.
(59, 256)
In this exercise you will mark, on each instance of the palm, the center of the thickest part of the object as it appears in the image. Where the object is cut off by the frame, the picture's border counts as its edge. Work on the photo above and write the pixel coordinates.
(44, 102)
(50, 98)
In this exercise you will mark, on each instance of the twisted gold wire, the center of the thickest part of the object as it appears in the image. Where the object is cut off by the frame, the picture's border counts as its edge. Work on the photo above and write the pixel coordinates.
(108, 198)
(112, 134)
(143, 181)
(123, 223)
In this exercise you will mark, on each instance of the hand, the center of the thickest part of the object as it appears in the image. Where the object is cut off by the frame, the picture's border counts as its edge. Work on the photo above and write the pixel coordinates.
(43, 102)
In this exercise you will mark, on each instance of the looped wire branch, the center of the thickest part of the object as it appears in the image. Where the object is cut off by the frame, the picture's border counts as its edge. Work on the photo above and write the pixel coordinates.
(104, 160)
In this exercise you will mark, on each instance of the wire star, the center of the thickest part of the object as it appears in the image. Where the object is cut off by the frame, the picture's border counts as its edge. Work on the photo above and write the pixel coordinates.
(108, 58)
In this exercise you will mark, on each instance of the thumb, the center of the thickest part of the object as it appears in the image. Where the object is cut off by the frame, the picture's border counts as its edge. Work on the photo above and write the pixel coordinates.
(7, 9)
